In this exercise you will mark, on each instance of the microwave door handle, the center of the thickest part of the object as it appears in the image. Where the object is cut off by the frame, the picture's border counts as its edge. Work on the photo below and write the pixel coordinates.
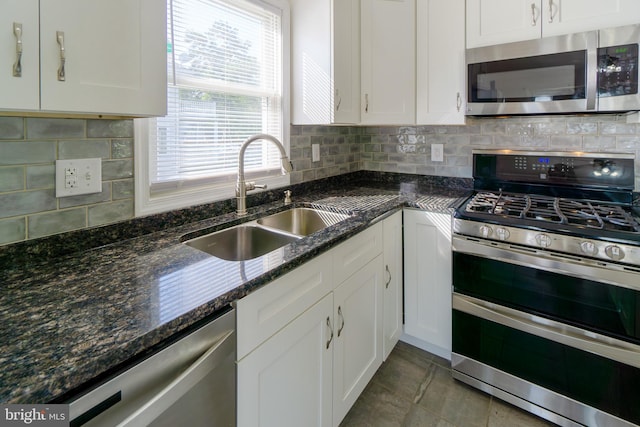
(592, 70)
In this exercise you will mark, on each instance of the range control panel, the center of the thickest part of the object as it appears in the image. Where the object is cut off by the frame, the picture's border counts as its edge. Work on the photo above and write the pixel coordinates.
(554, 168)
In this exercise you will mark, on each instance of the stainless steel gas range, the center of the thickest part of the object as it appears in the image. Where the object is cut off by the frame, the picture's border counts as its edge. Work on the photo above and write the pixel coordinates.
(546, 277)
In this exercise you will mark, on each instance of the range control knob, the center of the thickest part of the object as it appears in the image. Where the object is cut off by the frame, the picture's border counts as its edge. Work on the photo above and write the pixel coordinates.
(543, 240)
(614, 252)
(502, 233)
(485, 231)
(589, 248)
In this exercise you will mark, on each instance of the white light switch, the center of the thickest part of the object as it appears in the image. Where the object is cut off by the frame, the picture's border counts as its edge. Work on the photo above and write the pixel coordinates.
(315, 152)
(78, 176)
(437, 152)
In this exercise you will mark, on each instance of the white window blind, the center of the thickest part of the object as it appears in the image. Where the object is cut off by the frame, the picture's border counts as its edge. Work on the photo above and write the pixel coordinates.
(225, 61)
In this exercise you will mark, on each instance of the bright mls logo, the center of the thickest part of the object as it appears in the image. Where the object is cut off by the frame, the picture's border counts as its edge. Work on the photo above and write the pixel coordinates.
(34, 415)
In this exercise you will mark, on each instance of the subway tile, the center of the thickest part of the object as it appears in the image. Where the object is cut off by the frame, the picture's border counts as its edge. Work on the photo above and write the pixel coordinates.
(56, 222)
(55, 128)
(554, 128)
(108, 213)
(27, 152)
(27, 202)
(582, 128)
(566, 142)
(117, 169)
(12, 230)
(121, 148)
(83, 149)
(122, 189)
(628, 142)
(41, 176)
(11, 178)
(110, 128)
(11, 128)
(617, 129)
(599, 143)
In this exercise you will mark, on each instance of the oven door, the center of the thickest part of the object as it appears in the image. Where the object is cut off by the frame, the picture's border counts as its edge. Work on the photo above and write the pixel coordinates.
(557, 333)
(560, 75)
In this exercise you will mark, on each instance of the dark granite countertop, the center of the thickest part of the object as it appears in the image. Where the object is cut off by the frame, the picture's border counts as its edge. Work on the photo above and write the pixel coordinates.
(75, 307)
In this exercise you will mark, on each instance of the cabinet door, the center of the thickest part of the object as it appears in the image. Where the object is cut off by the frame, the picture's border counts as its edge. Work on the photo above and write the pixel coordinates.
(355, 253)
(503, 21)
(388, 61)
(115, 56)
(572, 16)
(358, 341)
(440, 66)
(287, 380)
(19, 92)
(427, 280)
(392, 292)
(346, 61)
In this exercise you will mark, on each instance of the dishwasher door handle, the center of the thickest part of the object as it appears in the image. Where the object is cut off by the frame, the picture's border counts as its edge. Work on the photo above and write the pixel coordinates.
(159, 403)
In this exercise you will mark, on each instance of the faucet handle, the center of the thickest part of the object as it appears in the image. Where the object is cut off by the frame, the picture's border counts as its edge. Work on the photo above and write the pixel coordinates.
(287, 197)
(251, 185)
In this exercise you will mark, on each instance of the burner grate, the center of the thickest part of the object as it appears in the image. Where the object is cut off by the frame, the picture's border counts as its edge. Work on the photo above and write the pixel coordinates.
(555, 210)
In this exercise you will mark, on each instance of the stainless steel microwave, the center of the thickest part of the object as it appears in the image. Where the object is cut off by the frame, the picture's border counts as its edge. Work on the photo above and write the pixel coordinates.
(595, 71)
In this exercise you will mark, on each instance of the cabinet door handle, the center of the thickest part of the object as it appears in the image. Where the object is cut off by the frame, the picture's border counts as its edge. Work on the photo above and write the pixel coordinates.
(339, 98)
(458, 101)
(550, 11)
(342, 319)
(534, 18)
(366, 102)
(63, 58)
(17, 66)
(386, 285)
(331, 330)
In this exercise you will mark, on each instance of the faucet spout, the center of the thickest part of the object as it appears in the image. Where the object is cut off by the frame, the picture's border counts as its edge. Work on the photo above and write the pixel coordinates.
(242, 186)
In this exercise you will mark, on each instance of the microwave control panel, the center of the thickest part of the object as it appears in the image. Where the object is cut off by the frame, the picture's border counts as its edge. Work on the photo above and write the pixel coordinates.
(618, 70)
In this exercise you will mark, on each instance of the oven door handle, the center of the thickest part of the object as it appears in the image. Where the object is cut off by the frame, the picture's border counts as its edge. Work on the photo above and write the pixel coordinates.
(591, 342)
(548, 261)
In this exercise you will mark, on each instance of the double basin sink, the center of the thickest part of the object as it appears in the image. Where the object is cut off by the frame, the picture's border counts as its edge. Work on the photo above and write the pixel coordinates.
(256, 238)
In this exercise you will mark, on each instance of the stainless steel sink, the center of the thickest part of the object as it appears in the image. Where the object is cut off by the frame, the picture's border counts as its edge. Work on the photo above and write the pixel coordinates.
(302, 221)
(241, 243)
(257, 238)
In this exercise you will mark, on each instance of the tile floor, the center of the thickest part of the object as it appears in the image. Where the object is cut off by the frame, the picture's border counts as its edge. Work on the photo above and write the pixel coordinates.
(415, 388)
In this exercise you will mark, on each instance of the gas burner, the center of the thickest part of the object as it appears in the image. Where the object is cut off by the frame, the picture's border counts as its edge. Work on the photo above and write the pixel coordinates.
(569, 212)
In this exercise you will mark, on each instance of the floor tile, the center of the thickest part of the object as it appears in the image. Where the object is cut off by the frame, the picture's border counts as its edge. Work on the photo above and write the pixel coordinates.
(414, 388)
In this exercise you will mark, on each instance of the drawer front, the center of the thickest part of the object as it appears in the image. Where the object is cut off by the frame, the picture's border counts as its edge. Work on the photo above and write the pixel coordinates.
(356, 252)
(264, 312)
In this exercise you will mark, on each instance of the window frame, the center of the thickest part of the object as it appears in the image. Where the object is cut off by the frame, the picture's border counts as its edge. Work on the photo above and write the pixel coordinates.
(147, 203)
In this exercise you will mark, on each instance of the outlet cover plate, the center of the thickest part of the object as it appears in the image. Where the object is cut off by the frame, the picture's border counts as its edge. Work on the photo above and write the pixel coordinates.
(78, 176)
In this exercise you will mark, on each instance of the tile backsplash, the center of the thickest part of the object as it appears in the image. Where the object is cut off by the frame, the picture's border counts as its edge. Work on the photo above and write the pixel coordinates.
(30, 146)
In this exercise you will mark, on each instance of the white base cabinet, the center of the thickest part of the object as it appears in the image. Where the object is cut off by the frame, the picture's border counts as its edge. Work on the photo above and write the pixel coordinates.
(393, 275)
(309, 342)
(427, 280)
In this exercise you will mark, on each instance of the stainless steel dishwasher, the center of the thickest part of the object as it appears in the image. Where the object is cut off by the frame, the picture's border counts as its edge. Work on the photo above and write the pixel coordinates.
(192, 382)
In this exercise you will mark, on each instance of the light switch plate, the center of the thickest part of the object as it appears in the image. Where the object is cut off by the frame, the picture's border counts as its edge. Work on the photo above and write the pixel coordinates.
(437, 152)
(78, 176)
(315, 152)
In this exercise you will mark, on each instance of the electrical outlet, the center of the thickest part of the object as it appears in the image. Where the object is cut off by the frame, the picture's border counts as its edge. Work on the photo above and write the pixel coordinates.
(78, 176)
(437, 152)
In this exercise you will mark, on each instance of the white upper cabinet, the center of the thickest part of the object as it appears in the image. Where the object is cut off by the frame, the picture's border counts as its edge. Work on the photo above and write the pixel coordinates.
(19, 73)
(503, 21)
(440, 81)
(388, 62)
(572, 16)
(94, 57)
(325, 58)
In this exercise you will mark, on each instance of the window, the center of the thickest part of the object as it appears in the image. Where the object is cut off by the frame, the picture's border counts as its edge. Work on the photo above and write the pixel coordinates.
(227, 62)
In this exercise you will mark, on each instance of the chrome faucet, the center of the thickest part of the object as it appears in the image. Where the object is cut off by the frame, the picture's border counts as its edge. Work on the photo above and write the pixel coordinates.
(242, 186)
